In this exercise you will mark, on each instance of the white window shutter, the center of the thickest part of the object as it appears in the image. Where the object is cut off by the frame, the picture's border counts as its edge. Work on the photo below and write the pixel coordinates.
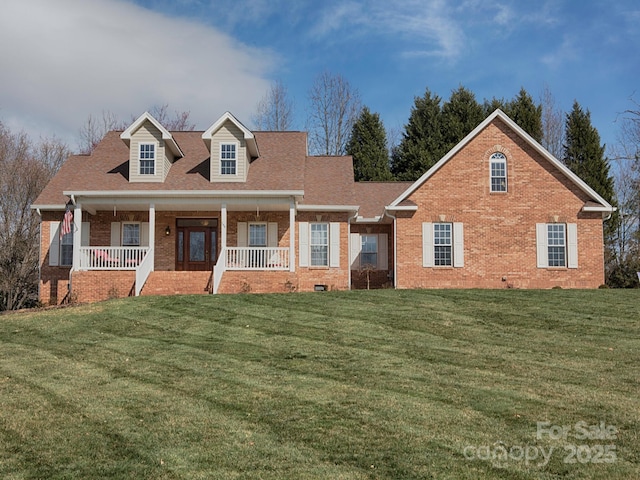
(334, 244)
(86, 235)
(427, 244)
(54, 244)
(242, 234)
(458, 244)
(355, 247)
(303, 241)
(115, 234)
(383, 252)
(572, 245)
(144, 234)
(541, 244)
(272, 234)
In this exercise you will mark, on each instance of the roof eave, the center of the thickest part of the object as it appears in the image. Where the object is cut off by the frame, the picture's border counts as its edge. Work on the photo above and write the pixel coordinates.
(328, 208)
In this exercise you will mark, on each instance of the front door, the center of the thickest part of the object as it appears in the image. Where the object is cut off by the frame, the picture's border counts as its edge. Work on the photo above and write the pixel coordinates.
(196, 247)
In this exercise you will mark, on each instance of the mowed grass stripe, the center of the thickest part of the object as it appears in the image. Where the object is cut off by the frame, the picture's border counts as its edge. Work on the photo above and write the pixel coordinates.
(382, 384)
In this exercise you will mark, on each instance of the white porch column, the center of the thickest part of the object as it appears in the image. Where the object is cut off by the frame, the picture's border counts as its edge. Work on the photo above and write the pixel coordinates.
(152, 234)
(77, 235)
(223, 226)
(292, 236)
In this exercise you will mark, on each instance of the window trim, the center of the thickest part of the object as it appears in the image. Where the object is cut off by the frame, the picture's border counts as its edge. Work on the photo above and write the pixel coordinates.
(501, 159)
(266, 234)
(363, 264)
(565, 252)
(66, 241)
(325, 245)
(139, 224)
(236, 149)
(142, 159)
(449, 245)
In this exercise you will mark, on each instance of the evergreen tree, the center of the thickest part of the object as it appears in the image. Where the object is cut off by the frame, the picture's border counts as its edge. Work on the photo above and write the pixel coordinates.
(368, 146)
(421, 145)
(526, 114)
(460, 115)
(584, 155)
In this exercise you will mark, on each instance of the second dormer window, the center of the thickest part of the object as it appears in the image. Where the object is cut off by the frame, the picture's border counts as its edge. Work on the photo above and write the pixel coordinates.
(228, 158)
(147, 157)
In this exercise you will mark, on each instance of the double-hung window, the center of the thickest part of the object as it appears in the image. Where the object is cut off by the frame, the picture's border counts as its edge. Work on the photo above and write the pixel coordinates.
(556, 245)
(442, 246)
(257, 234)
(66, 249)
(130, 234)
(319, 244)
(228, 158)
(369, 252)
(498, 167)
(147, 158)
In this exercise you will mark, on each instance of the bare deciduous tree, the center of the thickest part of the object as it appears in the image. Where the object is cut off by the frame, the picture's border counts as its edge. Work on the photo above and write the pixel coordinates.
(334, 107)
(274, 111)
(96, 127)
(552, 124)
(27, 170)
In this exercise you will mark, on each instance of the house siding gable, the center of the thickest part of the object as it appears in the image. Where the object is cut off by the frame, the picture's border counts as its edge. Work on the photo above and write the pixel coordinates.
(148, 133)
(229, 133)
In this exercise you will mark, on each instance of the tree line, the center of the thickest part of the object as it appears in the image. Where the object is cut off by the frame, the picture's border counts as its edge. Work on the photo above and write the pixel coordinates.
(338, 123)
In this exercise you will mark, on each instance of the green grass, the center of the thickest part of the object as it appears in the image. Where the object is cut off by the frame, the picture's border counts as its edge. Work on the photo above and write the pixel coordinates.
(338, 385)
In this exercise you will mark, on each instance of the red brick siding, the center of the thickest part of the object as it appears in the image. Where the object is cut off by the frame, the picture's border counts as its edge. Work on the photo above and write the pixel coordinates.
(499, 228)
(97, 285)
(54, 281)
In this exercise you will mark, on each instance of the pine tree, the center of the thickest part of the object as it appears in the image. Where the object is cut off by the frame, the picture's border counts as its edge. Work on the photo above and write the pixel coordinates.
(526, 114)
(584, 156)
(368, 146)
(421, 145)
(460, 115)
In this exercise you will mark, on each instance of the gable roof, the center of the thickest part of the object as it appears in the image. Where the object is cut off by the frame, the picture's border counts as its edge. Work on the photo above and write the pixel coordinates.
(166, 136)
(601, 205)
(252, 145)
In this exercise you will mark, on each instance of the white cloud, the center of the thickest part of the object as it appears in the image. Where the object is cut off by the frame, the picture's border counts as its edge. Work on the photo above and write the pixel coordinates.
(71, 58)
(565, 53)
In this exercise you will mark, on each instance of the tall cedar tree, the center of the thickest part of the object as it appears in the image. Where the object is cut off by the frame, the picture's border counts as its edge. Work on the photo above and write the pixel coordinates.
(584, 155)
(422, 144)
(368, 146)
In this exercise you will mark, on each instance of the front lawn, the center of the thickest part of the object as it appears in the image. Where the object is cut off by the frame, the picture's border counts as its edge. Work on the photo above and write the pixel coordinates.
(334, 385)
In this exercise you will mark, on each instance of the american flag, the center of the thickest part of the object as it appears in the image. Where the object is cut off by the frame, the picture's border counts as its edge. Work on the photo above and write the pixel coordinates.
(66, 223)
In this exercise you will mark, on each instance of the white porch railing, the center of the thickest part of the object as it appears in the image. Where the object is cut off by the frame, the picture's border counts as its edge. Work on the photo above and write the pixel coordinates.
(143, 271)
(257, 258)
(112, 258)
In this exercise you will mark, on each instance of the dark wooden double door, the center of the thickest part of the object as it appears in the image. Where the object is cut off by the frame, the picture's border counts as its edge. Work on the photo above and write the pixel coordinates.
(196, 244)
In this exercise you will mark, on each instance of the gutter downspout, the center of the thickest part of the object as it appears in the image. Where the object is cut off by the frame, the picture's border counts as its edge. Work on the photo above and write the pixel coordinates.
(395, 247)
(39, 251)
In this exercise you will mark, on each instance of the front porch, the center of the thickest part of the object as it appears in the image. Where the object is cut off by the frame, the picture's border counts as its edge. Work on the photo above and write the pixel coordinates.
(168, 240)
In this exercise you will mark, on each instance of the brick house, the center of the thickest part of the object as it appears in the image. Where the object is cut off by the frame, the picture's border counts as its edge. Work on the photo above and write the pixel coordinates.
(230, 210)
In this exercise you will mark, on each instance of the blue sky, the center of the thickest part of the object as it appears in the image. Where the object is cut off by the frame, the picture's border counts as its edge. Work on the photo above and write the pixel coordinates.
(72, 58)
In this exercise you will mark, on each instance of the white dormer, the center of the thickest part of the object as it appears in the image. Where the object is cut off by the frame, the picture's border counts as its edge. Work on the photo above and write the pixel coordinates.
(152, 149)
(232, 147)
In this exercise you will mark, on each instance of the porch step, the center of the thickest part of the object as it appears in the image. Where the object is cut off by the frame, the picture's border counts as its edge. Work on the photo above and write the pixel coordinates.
(177, 283)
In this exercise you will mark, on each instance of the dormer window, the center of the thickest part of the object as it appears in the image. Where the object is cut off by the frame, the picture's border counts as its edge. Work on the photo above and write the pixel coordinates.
(498, 172)
(228, 158)
(147, 158)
